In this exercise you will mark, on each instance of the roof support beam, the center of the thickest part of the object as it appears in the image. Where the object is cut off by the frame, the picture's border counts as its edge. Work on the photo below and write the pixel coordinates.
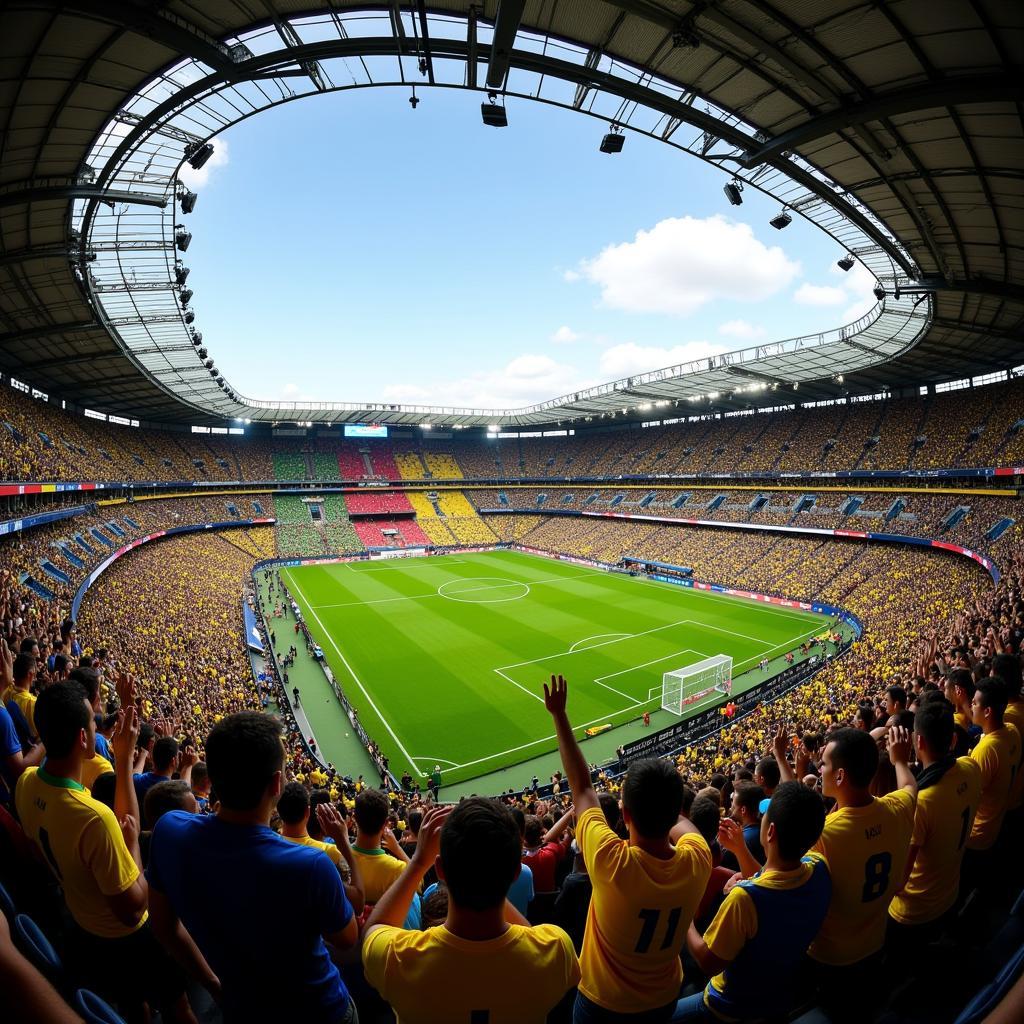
(471, 47)
(169, 30)
(924, 96)
(427, 58)
(506, 25)
(42, 252)
(50, 329)
(30, 193)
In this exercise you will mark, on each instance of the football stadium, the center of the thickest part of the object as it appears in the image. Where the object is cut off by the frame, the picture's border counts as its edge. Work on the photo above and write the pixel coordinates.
(510, 511)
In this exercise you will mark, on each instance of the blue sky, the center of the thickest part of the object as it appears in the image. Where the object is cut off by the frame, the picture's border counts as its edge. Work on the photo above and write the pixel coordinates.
(348, 247)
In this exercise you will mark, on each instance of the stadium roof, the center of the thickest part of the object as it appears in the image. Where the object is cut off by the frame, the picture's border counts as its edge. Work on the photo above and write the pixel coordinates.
(898, 128)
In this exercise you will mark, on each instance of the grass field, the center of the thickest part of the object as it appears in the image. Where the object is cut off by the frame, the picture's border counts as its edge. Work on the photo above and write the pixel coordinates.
(444, 657)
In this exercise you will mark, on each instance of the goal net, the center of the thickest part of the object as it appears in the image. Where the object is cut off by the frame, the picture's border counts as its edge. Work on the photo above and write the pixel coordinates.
(686, 686)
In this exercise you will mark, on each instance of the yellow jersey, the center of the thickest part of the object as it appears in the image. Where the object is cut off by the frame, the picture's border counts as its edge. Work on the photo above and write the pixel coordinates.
(435, 977)
(82, 843)
(998, 756)
(639, 914)
(332, 851)
(26, 702)
(378, 870)
(866, 850)
(1014, 716)
(94, 768)
(942, 825)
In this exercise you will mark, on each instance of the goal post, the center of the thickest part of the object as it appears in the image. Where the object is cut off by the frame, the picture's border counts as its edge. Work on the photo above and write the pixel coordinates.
(686, 686)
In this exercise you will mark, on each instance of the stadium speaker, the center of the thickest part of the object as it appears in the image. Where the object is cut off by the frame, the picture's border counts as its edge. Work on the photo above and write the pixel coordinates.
(203, 353)
(181, 273)
(186, 296)
(734, 193)
(188, 201)
(213, 371)
(182, 238)
(198, 153)
(494, 115)
(197, 338)
(613, 142)
(209, 364)
(220, 381)
(189, 316)
(879, 292)
(846, 263)
(781, 220)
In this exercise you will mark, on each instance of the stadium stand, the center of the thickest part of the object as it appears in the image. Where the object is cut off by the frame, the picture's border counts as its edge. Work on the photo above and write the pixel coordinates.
(378, 503)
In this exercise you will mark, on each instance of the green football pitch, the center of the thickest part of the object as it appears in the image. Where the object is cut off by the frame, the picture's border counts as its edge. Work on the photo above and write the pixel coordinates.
(444, 657)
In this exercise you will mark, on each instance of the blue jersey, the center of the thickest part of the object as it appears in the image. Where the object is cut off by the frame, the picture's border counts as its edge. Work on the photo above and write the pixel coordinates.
(254, 902)
(763, 930)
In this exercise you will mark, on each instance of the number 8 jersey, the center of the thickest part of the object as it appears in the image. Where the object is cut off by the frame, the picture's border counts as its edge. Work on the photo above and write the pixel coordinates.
(866, 849)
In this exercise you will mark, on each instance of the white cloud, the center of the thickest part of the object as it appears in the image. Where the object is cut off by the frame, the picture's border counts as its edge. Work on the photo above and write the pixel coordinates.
(820, 295)
(526, 380)
(741, 329)
(571, 276)
(683, 263)
(198, 179)
(565, 336)
(630, 358)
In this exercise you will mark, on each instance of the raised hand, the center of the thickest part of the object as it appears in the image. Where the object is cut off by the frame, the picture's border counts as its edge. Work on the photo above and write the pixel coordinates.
(780, 742)
(125, 686)
(125, 735)
(730, 835)
(6, 665)
(332, 823)
(898, 743)
(428, 843)
(189, 757)
(129, 829)
(555, 697)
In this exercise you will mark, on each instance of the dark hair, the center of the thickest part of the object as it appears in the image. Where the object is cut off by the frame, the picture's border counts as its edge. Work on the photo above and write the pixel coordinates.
(480, 853)
(165, 750)
(856, 753)
(798, 815)
(866, 713)
(90, 681)
(1007, 667)
(749, 795)
(933, 722)
(104, 787)
(434, 909)
(316, 798)
(243, 753)
(533, 830)
(293, 803)
(706, 815)
(653, 796)
(60, 663)
(520, 819)
(23, 665)
(200, 774)
(896, 694)
(171, 795)
(962, 679)
(60, 715)
(415, 819)
(372, 809)
(146, 733)
(992, 691)
(27, 644)
(610, 810)
(768, 769)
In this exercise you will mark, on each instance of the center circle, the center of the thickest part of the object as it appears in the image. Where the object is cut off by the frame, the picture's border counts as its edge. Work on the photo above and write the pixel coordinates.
(483, 590)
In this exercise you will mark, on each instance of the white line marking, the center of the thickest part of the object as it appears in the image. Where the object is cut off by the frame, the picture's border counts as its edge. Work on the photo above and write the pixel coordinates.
(520, 686)
(408, 562)
(495, 600)
(653, 661)
(330, 640)
(437, 760)
(731, 632)
(596, 636)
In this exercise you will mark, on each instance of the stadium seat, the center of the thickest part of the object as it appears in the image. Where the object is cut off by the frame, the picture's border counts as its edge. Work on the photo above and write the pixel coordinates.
(36, 946)
(95, 1010)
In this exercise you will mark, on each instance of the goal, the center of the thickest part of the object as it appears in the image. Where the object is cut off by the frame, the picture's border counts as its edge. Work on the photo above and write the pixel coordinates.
(686, 686)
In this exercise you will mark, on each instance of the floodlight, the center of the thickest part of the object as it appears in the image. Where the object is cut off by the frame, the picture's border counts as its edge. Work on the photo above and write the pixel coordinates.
(733, 192)
(494, 113)
(220, 381)
(189, 316)
(213, 370)
(209, 364)
(198, 153)
(197, 337)
(187, 200)
(879, 292)
(845, 263)
(182, 238)
(203, 353)
(613, 141)
(781, 220)
(181, 272)
(186, 295)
